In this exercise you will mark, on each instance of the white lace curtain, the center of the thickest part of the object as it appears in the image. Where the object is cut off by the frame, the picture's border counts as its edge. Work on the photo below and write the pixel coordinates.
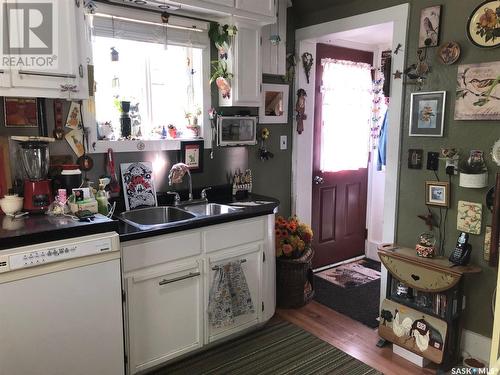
(347, 112)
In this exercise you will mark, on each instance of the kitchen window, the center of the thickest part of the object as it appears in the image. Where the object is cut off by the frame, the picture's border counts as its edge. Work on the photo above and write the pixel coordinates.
(159, 74)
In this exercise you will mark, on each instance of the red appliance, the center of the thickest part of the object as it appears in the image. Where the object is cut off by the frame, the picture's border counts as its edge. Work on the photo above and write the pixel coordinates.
(35, 157)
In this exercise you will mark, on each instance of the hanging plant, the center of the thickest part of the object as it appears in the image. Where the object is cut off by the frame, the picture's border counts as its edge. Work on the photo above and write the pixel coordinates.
(221, 77)
(221, 36)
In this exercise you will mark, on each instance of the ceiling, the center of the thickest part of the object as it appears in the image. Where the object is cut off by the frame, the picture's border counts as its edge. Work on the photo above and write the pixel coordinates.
(371, 36)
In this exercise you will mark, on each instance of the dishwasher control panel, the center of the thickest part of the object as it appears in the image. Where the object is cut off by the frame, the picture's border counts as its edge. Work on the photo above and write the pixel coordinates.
(50, 254)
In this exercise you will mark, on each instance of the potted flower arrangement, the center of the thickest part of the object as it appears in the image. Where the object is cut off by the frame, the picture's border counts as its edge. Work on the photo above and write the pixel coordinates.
(294, 281)
(192, 118)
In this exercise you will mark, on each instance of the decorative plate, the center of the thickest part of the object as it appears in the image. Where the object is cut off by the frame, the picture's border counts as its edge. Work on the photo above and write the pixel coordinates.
(483, 27)
(449, 52)
(495, 152)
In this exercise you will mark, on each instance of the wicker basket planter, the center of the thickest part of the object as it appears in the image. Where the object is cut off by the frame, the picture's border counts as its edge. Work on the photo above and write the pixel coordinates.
(294, 281)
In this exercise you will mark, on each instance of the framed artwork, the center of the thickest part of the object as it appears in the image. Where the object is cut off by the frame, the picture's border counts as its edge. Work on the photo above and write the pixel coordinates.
(437, 193)
(469, 217)
(478, 92)
(274, 104)
(21, 112)
(192, 155)
(75, 141)
(430, 19)
(415, 158)
(427, 114)
(483, 26)
(138, 185)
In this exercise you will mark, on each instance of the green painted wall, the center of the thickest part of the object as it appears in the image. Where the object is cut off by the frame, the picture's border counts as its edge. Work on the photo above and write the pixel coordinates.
(465, 135)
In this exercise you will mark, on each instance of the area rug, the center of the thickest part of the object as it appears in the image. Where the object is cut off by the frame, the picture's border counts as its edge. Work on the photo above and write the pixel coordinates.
(278, 348)
(352, 289)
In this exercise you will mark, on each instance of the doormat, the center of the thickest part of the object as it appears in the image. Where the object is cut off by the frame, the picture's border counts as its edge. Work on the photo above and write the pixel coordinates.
(352, 289)
(278, 348)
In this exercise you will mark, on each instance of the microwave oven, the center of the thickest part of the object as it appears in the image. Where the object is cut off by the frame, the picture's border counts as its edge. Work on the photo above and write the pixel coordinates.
(236, 130)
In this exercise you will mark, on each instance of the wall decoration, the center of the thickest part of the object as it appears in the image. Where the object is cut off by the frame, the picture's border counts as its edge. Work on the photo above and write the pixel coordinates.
(427, 114)
(487, 244)
(307, 63)
(192, 155)
(73, 121)
(469, 217)
(478, 92)
(437, 193)
(21, 112)
(264, 153)
(483, 26)
(75, 140)
(273, 104)
(138, 185)
(451, 157)
(417, 73)
(495, 152)
(448, 53)
(300, 108)
(415, 158)
(291, 63)
(430, 19)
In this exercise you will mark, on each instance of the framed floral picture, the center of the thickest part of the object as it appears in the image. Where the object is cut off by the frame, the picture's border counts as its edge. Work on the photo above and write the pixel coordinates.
(437, 193)
(469, 217)
(483, 27)
(192, 155)
(427, 114)
(478, 92)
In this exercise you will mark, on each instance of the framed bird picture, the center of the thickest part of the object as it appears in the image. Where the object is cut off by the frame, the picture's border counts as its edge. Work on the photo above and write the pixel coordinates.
(430, 19)
(478, 92)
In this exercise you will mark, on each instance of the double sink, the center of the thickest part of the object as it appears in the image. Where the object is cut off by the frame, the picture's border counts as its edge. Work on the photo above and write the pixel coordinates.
(156, 217)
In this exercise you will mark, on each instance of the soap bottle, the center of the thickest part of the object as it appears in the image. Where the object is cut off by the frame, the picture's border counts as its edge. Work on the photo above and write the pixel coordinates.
(102, 199)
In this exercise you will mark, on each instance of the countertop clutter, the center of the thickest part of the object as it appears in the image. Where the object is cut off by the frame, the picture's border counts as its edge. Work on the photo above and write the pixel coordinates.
(34, 229)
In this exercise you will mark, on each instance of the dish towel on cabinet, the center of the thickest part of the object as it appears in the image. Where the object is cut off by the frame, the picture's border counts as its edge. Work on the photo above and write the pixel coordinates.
(229, 295)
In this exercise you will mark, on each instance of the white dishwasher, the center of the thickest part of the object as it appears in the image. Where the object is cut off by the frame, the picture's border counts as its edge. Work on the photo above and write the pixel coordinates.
(61, 308)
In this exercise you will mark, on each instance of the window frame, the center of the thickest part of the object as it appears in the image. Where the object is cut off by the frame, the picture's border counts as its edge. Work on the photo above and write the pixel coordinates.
(202, 42)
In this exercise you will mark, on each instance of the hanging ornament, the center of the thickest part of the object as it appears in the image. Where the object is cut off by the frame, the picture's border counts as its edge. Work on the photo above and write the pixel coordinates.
(300, 108)
(307, 63)
(164, 19)
(275, 39)
(115, 56)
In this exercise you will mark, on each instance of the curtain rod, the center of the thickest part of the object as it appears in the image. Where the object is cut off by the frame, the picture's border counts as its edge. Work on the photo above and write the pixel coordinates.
(104, 15)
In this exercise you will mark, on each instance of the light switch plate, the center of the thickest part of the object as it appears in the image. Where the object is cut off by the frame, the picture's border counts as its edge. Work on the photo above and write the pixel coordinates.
(283, 142)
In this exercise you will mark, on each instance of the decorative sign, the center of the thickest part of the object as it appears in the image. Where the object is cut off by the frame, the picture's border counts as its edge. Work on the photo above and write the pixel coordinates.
(469, 217)
(138, 185)
(478, 92)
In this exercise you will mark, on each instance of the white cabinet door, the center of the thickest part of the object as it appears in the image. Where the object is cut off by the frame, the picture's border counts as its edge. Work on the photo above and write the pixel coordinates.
(251, 258)
(165, 316)
(68, 70)
(245, 63)
(274, 55)
(265, 7)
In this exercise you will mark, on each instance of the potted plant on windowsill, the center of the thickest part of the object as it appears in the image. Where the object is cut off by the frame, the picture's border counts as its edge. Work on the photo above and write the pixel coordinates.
(221, 77)
(294, 278)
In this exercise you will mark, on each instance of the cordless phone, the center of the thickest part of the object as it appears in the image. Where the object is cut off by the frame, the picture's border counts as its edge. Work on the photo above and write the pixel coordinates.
(461, 254)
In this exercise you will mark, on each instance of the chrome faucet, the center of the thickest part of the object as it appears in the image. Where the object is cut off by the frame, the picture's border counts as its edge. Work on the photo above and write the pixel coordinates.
(176, 175)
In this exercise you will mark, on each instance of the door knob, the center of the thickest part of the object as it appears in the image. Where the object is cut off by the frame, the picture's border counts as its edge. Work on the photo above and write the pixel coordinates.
(318, 180)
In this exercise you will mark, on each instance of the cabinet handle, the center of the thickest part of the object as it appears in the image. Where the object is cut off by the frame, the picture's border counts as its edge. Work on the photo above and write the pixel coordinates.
(190, 275)
(215, 268)
(56, 75)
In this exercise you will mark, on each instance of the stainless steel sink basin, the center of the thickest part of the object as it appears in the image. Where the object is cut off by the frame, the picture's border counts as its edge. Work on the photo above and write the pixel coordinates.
(209, 209)
(145, 218)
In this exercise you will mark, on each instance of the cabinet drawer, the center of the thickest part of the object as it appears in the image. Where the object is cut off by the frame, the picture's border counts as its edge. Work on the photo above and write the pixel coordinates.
(417, 276)
(234, 234)
(156, 250)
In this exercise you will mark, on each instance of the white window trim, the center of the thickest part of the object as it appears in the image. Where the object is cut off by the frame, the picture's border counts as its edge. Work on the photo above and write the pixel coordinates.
(102, 146)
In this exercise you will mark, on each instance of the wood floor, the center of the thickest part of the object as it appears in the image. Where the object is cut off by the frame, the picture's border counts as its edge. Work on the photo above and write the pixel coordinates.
(350, 336)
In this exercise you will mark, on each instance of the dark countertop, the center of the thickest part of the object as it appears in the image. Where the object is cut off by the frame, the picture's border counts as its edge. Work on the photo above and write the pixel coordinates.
(35, 229)
(129, 232)
(40, 228)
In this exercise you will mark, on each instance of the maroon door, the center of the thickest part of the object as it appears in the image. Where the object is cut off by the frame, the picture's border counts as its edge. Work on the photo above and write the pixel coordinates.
(338, 198)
